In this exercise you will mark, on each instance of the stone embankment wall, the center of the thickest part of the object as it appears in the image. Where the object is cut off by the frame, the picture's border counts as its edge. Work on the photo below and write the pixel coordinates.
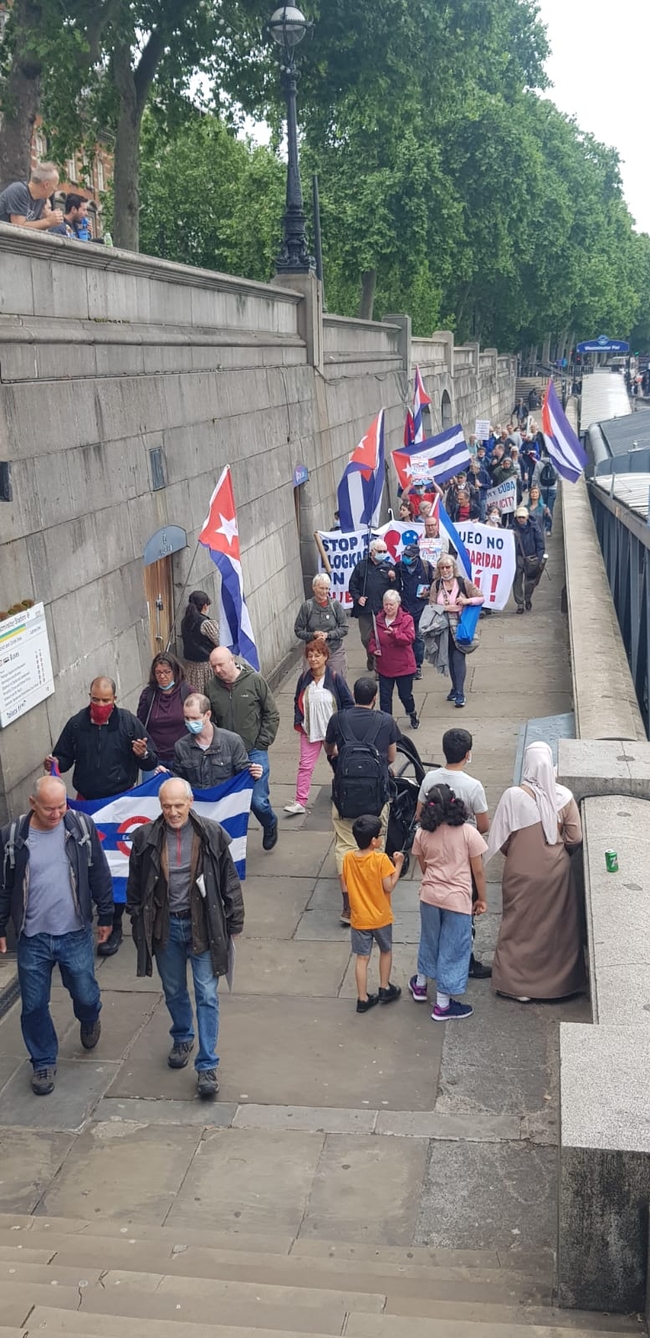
(106, 357)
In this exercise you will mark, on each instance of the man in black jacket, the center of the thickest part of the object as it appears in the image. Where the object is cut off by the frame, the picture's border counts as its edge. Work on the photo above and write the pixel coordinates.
(52, 869)
(413, 579)
(185, 900)
(107, 747)
(370, 580)
(529, 547)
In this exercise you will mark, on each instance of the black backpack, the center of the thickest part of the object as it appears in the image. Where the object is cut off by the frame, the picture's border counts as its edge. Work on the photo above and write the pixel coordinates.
(548, 476)
(361, 782)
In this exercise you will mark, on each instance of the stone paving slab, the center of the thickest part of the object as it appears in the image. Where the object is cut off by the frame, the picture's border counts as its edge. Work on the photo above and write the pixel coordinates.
(118, 974)
(336, 1057)
(295, 855)
(277, 967)
(29, 1160)
(122, 1171)
(366, 1190)
(120, 1025)
(511, 1196)
(235, 1178)
(79, 1086)
(274, 905)
(204, 1114)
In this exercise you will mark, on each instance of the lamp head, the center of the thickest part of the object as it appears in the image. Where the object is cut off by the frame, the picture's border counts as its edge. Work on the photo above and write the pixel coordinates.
(287, 26)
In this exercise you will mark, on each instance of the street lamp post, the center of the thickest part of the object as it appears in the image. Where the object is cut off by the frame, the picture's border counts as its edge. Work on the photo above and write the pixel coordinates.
(287, 27)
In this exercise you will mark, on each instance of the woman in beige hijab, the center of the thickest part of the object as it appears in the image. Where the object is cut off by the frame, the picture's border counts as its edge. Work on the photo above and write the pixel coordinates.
(540, 952)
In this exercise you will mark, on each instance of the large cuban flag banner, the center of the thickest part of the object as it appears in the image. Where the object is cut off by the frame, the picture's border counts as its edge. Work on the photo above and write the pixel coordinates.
(362, 483)
(117, 818)
(437, 458)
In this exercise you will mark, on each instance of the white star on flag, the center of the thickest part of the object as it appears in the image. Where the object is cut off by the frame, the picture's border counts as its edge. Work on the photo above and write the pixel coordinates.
(228, 528)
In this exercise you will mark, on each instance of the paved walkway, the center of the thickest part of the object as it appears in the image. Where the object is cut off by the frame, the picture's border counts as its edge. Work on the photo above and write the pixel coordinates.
(384, 1128)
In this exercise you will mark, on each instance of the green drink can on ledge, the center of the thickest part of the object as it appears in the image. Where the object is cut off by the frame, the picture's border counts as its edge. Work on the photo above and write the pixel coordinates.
(611, 860)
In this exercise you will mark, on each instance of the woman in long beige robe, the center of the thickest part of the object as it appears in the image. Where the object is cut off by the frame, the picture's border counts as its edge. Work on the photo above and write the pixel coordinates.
(540, 949)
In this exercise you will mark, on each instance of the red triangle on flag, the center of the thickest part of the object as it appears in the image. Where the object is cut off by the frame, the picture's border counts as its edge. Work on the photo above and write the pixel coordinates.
(220, 531)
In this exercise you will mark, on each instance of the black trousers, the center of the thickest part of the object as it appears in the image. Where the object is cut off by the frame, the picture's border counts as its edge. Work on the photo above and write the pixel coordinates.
(405, 690)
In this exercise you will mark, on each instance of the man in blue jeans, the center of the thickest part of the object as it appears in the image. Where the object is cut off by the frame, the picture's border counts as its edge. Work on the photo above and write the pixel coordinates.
(185, 902)
(242, 701)
(53, 869)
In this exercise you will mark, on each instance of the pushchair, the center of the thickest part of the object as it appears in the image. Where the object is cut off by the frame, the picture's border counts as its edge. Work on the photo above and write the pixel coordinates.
(408, 773)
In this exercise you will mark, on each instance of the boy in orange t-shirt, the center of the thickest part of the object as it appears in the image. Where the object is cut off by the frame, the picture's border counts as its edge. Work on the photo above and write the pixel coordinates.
(370, 877)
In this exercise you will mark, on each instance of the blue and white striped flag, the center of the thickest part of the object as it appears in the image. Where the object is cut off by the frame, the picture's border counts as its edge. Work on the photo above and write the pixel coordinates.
(362, 485)
(437, 458)
(446, 523)
(117, 817)
(562, 444)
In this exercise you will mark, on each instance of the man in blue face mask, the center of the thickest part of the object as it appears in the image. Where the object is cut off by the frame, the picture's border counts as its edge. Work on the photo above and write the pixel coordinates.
(413, 577)
(208, 756)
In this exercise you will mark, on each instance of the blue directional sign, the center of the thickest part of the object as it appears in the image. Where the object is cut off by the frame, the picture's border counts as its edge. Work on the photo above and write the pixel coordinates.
(603, 344)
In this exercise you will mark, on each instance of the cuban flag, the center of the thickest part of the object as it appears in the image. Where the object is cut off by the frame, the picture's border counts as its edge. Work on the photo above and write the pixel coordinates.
(420, 401)
(221, 536)
(361, 488)
(462, 556)
(117, 818)
(437, 458)
(561, 441)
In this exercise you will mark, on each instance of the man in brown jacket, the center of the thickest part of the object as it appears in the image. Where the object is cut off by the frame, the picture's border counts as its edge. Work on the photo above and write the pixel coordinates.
(185, 900)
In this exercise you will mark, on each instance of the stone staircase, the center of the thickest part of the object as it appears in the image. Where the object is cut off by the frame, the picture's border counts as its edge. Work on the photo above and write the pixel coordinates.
(102, 1280)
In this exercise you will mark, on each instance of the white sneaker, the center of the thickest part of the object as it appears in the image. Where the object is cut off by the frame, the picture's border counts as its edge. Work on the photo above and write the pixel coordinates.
(294, 809)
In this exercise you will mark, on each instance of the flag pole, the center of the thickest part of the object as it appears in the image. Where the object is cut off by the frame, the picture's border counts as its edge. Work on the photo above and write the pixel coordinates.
(321, 548)
(180, 601)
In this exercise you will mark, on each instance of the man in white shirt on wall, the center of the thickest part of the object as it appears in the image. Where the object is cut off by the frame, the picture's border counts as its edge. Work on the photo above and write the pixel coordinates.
(457, 748)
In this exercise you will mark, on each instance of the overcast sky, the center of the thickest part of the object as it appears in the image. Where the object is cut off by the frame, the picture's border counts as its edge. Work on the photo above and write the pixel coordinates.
(599, 71)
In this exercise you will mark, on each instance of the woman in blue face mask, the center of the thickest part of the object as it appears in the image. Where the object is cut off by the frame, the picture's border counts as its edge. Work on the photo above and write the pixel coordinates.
(161, 705)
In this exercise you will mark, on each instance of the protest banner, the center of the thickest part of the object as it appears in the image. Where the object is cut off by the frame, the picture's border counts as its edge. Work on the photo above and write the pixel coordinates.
(504, 496)
(342, 552)
(398, 533)
(482, 428)
(493, 558)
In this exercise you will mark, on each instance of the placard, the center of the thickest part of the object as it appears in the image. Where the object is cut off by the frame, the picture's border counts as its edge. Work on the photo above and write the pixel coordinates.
(482, 428)
(503, 496)
(25, 665)
(343, 553)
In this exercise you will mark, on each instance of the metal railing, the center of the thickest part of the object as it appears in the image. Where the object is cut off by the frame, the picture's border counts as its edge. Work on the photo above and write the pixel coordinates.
(625, 543)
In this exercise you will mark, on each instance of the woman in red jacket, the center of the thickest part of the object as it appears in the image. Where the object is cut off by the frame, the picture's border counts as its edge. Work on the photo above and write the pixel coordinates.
(392, 645)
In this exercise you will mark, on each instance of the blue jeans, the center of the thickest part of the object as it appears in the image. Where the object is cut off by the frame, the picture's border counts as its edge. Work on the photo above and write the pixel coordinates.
(548, 497)
(445, 947)
(172, 969)
(37, 955)
(261, 802)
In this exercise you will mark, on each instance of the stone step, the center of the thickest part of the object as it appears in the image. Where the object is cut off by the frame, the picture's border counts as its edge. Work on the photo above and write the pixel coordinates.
(84, 1325)
(499, 1286)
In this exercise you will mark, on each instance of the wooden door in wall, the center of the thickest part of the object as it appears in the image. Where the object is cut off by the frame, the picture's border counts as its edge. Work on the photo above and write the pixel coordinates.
(158, 591)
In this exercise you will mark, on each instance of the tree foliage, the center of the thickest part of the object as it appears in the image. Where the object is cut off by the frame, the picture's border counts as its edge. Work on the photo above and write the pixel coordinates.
(450, 184)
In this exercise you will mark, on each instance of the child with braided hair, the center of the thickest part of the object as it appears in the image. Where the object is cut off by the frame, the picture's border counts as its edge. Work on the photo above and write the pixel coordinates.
(449, 850)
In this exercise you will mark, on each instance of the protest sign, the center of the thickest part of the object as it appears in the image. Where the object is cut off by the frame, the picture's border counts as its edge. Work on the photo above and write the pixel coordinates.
(493, 558)
(504, 496)
(343, 552)
(482, 428)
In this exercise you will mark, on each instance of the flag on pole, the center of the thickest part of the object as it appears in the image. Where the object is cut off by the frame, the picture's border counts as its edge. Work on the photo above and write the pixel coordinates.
(437, 458)
(561, 442)
(221, 536)
(362, 485)
(463, 558)
(116, 818)
(420, 400)
(409, 429)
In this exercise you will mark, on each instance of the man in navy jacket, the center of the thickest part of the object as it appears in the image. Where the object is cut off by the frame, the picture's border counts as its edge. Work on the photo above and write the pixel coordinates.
(52, 870)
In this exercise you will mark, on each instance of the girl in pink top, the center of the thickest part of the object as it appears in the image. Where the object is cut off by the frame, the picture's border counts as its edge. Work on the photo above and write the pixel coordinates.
(449, 850)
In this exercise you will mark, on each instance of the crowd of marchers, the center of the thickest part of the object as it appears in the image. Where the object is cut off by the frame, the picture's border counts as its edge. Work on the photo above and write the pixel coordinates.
(208, 716)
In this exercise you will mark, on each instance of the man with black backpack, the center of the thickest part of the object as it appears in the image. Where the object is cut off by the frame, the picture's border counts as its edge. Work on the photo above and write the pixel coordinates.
(52, 869)
(361, 744)
(546, 479)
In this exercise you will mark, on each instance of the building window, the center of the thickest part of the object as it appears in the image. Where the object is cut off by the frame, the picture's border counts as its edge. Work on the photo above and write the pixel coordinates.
(71, 170)
(100, 175)
(157, 467)
(39, 145)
